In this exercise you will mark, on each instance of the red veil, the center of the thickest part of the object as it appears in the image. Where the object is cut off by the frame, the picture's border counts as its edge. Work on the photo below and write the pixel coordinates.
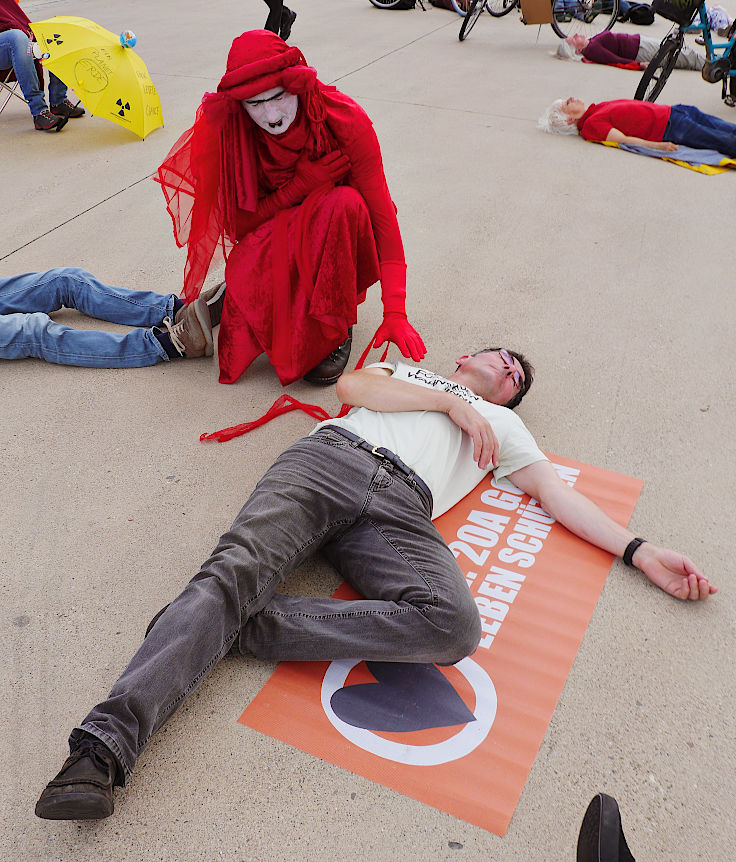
(224, 163)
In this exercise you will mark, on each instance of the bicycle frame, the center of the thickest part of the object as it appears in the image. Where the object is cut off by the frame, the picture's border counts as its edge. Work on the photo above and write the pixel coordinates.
(711, 47)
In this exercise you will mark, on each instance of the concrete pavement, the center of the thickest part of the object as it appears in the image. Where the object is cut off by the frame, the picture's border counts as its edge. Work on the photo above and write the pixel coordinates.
(612, 272)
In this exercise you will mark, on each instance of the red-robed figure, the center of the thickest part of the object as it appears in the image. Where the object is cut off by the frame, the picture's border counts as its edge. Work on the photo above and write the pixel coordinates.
(284, 176)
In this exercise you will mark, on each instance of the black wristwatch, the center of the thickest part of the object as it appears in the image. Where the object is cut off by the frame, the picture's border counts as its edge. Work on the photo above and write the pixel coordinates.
(631, 550)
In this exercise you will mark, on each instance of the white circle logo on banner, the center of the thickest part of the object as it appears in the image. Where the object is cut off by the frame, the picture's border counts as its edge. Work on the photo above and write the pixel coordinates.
(457, 746)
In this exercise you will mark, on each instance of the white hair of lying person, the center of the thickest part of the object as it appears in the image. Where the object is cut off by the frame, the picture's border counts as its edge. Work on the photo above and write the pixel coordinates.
(567, 51)
(718, 20)
(556, 121)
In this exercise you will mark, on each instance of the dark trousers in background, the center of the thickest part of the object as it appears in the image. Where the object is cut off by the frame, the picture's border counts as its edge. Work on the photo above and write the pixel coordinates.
(273, 22)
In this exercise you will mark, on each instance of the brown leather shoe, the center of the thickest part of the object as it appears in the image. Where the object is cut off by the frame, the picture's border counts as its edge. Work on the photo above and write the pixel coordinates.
(332, 366)
(83, 788)
(191, 334)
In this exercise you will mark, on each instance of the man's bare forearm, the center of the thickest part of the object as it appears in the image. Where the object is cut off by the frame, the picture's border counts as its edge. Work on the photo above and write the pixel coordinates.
(572, 509)
(377, 389)
(669, 570)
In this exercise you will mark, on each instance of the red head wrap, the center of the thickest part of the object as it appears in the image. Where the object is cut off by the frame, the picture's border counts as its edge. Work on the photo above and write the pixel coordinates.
(260, 60)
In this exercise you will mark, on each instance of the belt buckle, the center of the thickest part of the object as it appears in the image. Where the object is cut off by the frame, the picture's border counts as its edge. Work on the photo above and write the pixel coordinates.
(374, 451)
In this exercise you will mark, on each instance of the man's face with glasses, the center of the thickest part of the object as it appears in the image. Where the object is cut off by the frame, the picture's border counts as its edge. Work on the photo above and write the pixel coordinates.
(494, 375)
(513, 369)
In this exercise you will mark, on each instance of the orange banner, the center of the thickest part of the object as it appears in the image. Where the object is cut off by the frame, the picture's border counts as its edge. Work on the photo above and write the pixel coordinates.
(464, 738)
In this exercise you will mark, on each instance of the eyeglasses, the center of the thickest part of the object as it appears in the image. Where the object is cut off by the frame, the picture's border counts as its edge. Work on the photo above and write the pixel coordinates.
(508, 364)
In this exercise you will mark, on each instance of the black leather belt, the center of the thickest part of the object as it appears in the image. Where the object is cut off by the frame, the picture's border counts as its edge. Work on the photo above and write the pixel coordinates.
(408, 475)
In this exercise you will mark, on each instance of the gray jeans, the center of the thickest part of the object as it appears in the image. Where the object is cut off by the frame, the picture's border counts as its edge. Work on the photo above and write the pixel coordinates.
(374, 527)
(686, 59)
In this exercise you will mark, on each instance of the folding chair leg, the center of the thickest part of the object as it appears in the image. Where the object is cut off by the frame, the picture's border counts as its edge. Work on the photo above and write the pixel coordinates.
(8, 91)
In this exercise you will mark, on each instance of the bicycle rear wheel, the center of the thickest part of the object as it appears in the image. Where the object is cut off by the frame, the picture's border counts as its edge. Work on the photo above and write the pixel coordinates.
(469, 21)
(461, 6)
(659, 68)
(587, 17)
(499, 8)
(385, 4)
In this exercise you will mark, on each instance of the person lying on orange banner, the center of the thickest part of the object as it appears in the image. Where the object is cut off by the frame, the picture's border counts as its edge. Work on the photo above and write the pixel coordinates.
(363, 490)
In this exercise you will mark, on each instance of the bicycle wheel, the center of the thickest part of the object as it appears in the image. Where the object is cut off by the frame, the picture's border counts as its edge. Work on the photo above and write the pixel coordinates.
(461, 6)
(385, 4)
(659, 68)
(587, 17)
(469, 21)
(499, 8)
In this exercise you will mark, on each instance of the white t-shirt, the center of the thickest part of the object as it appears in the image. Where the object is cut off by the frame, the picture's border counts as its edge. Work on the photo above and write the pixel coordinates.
(434, 447)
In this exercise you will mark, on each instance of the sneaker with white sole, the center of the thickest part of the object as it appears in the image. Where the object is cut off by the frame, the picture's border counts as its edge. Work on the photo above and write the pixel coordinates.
(191, 334)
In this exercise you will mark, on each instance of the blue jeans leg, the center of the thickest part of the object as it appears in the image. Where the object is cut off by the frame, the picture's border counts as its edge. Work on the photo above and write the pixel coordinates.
(57, 90)
(14, 52)
(320, 493)
(689, 126)
(26, 330)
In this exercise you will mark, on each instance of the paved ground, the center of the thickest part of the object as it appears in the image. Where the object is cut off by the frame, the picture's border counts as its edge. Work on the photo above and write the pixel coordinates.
(613, 272)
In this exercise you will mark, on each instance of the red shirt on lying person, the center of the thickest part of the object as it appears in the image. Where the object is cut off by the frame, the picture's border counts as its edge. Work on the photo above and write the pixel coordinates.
(646, 120)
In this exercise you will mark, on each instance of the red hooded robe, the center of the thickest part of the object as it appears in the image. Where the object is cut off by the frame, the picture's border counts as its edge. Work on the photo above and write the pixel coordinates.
(294, 280)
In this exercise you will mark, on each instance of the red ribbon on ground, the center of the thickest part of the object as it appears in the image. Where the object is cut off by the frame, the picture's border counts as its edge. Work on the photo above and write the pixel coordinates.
(285, 404)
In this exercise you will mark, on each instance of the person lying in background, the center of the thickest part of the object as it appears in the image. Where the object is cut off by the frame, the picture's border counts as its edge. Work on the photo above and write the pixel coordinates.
(641, 124)
(622, 49)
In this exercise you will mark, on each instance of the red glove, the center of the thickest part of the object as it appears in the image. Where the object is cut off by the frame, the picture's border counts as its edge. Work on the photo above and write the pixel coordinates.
(307, 177)
(311, 175)
(396, 328)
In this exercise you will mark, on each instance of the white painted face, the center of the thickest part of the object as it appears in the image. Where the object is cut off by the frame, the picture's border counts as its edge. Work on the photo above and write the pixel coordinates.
(273, 110)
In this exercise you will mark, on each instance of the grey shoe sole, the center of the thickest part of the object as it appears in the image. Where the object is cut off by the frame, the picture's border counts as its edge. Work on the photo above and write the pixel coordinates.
(215, 303)
(203, 318)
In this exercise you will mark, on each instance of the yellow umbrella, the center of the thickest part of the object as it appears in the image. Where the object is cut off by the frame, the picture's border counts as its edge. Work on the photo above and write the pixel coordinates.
(110, 79)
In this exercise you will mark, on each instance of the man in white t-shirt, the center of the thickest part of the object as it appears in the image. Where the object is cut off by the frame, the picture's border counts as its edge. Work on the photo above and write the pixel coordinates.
(363, 490)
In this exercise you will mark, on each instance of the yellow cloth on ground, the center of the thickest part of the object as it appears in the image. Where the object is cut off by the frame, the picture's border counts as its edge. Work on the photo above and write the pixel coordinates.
(724, 165)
